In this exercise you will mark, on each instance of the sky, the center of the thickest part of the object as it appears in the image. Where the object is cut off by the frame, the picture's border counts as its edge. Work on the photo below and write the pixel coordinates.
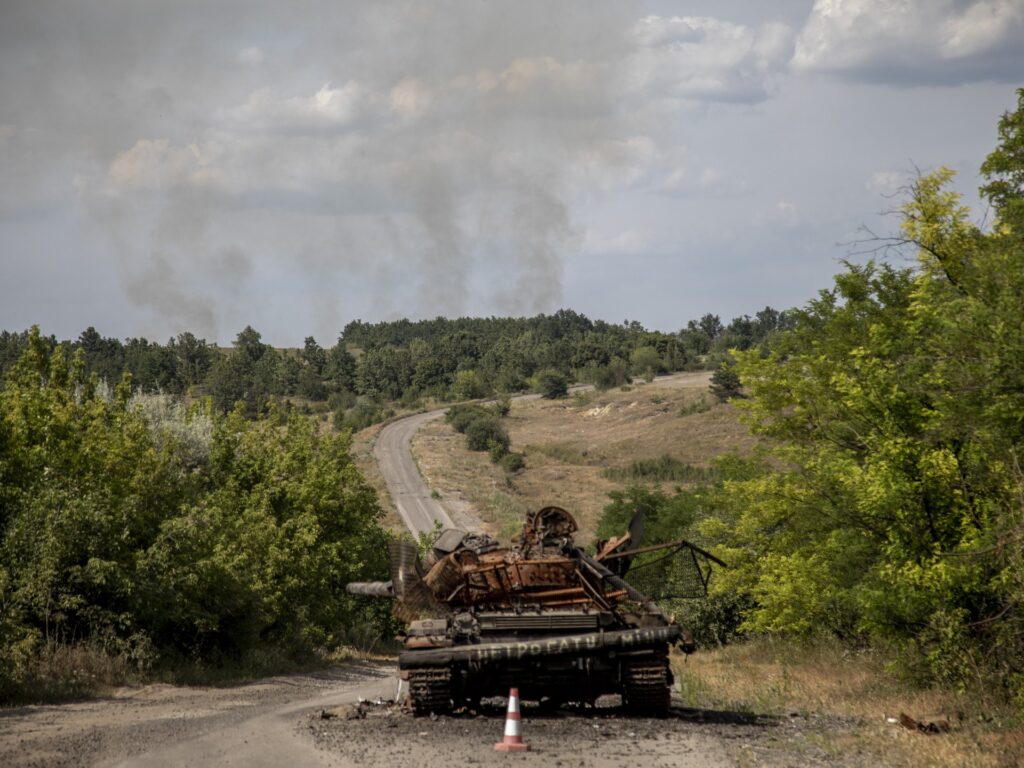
(294, 166)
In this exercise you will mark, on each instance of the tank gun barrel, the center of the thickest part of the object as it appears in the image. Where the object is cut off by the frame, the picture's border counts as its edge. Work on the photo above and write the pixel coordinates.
(371, 588)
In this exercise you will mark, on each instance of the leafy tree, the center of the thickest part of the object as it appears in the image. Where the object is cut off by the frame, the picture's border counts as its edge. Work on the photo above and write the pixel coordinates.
(1004, 169)
(249, 345)
(112, 532)
(384, 372)
(103, 356)
(228, 381)
(646, 362)
(294, 378)
(154, 368)
(340, 369)
(469, 385)
(313, 355)
(194, 357)
(249, 373)
(893, 406)
(711, 325)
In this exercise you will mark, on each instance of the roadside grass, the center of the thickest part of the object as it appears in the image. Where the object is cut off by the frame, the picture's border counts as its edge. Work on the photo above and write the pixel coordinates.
(696, 406)
(564, 453)
(508, 515)
(362, 456)
(86, 670)
(830, 684)
(64, 671)
(666, 468)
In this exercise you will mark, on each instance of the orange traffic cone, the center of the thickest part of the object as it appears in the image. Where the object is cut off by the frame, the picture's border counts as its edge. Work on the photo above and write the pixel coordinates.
(513, 741)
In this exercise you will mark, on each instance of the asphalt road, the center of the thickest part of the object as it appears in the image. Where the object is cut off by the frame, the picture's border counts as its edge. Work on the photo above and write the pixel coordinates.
(411, 496)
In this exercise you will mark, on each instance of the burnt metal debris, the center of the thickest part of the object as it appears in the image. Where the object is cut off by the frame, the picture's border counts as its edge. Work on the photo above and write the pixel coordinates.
(542, 615)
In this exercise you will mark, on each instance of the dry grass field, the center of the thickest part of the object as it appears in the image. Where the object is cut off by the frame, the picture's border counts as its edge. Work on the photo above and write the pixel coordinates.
(569, 443)
(850, 706)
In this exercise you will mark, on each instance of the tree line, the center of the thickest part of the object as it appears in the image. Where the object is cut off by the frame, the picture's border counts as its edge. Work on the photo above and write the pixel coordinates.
(374, 364)
(161, 535)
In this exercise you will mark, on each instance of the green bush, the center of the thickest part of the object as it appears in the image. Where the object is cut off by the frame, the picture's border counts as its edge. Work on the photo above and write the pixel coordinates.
(482, 432)
(615, 374)
(725, 384)
(552, 385)
(513, 462)
(496, 450)
(697, 406)
(363, 414)
(462, 415)
(646, 362)
(469, 385)
(665, 468)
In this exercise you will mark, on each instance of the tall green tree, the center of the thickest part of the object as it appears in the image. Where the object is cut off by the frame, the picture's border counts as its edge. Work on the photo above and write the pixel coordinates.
(895, 407)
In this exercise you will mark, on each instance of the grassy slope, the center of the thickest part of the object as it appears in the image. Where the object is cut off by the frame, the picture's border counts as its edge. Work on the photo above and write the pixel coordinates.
(568, 443)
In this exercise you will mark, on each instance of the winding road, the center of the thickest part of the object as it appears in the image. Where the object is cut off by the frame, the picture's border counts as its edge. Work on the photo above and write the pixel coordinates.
(393, 451)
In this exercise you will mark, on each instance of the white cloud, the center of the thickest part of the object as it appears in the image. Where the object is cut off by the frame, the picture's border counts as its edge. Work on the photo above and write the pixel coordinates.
(617, 164)
(410, 97)
(156, 164)
(326, 111)
(787, 212)
(914, 41)
(982, 27)
(701, 58)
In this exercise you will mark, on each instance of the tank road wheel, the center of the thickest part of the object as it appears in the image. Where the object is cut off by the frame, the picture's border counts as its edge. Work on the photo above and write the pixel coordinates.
(430, 691)
(646, 687)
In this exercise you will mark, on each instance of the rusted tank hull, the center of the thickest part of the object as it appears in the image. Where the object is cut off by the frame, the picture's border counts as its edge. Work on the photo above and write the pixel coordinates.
(542, 616)
(552, 670)
(575, 645)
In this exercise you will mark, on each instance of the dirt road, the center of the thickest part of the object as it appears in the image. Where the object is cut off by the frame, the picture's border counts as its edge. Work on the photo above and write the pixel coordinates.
(278, 722)
(259, 724)
(386, 738)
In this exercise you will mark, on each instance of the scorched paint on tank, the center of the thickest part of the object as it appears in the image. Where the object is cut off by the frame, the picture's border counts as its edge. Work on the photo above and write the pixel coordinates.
(542, 615)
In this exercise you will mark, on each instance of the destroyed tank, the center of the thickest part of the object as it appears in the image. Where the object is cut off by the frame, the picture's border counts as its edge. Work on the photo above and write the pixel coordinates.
(542, 615)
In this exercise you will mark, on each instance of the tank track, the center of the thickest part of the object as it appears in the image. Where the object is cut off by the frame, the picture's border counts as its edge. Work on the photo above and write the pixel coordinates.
(646, 686)
(430, 691)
